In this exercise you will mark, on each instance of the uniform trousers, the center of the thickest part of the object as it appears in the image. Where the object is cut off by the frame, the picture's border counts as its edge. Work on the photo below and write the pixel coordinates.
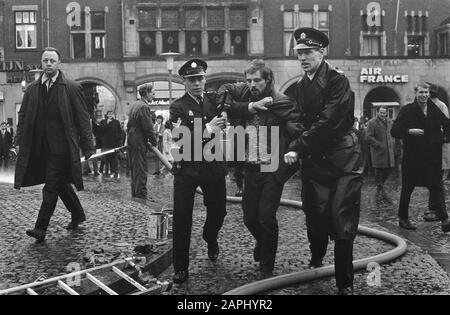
(214, 197)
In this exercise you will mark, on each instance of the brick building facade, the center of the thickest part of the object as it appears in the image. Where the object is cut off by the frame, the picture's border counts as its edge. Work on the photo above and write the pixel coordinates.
(113, 46)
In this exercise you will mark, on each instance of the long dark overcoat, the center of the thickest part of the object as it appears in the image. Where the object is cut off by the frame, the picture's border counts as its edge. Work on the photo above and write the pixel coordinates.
(77, 129)
(332, 158)
(382, 144)
(422, 156)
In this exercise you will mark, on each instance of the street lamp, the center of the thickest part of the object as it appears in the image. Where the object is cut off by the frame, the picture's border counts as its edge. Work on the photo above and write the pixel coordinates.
(170, 56)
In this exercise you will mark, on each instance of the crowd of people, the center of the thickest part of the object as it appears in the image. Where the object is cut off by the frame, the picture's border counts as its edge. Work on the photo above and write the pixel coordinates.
(318, 136)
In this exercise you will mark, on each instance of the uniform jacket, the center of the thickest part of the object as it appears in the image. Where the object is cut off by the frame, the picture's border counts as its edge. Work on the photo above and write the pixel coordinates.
(283, 113)
(140, 126)
(327, 105)
(422, 156)
(382, 144)
(75, 121)
(186, 109)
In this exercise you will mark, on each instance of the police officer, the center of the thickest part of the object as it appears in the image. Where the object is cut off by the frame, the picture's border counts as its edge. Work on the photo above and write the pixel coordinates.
(196, 110)
(140, 131)
(332, 160)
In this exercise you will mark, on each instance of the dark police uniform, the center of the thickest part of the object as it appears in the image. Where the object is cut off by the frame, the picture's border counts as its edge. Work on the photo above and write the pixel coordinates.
(332, 161)
(209, 176)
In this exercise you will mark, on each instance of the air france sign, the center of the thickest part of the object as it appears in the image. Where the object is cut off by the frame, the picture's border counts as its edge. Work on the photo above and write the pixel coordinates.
(374, 75)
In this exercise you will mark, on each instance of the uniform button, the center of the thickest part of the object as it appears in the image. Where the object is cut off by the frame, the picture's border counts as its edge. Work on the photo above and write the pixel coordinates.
(205, 118)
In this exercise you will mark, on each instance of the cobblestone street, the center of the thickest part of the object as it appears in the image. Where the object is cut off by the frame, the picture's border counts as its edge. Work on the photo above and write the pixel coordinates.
(117, 224)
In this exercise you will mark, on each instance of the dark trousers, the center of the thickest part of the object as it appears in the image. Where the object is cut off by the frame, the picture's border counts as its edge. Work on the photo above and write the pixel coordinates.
(262, 194)
(57, 170)
(239, 174)
(381, 175)
(214, 192)
(87, 168)
(436, 200)
(139, 171)
(4, 159)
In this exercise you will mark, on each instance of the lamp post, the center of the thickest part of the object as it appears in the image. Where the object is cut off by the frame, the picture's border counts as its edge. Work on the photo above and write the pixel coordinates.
(170, 56)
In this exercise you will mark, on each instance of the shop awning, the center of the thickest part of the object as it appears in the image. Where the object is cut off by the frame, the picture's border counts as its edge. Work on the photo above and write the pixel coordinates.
(386, 104)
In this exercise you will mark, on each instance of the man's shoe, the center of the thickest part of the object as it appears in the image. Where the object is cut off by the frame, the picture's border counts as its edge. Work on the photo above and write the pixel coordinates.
(38, 234)
(239, 193)
(445, 226)
(180, 276)
(345, 291)
(406, 224)
(430, 217)
(257, 253)
(314, 263)
(73, 225)
(213, 251)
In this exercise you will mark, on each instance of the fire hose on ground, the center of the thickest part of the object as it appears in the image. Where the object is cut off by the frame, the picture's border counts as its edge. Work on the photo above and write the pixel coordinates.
(278, 282)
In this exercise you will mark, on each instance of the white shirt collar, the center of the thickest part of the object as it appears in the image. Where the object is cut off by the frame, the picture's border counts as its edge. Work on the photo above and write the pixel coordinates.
(45, 78)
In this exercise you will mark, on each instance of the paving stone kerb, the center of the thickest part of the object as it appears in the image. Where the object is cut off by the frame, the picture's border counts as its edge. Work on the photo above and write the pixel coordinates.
(114, 218)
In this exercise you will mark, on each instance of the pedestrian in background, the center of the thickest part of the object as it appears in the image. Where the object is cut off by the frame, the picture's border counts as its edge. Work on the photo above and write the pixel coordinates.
(159, 130)
(111, 138)
(381, 144)
(54, 124)
(140, 132)
(6, 143)
(423, 129)
(167, 145)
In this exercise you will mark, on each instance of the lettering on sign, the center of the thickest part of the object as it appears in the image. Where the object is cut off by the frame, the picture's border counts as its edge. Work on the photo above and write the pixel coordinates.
(374, 75)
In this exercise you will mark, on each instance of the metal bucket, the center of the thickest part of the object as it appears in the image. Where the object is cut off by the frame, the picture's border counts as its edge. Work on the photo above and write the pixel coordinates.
(158, 225)
(169, 212)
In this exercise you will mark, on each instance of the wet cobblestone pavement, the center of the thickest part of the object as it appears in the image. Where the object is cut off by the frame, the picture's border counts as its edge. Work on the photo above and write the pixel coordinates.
(114, 219)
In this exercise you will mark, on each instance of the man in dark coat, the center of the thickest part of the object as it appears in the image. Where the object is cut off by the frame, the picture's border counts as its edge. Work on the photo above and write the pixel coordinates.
(196, 111)
(382, 145)
(259, 105)
(332, 163)
(140, 132)
(423, 128)
(6, 142)
(111, 133)
(53, 125)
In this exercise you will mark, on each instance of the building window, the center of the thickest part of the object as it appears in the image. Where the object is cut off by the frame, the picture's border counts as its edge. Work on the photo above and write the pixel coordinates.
(98, 20)
(193, 43)
(416, 46)
(371, 45)
(216, 18)
(79, 46)
(170, 41)
(239, 27)
(89, 42)
(147, 44)
(169, 19)
(193, 19)
(26, 37)
(293, 19)
(443, 39)
(147, 18)
(216, 43)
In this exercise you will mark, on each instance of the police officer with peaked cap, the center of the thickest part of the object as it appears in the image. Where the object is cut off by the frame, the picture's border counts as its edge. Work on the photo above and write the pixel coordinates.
(332, 162)
(196, 110)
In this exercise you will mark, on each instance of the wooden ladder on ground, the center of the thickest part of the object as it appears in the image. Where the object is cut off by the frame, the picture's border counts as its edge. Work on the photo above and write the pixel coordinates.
(30, 289)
